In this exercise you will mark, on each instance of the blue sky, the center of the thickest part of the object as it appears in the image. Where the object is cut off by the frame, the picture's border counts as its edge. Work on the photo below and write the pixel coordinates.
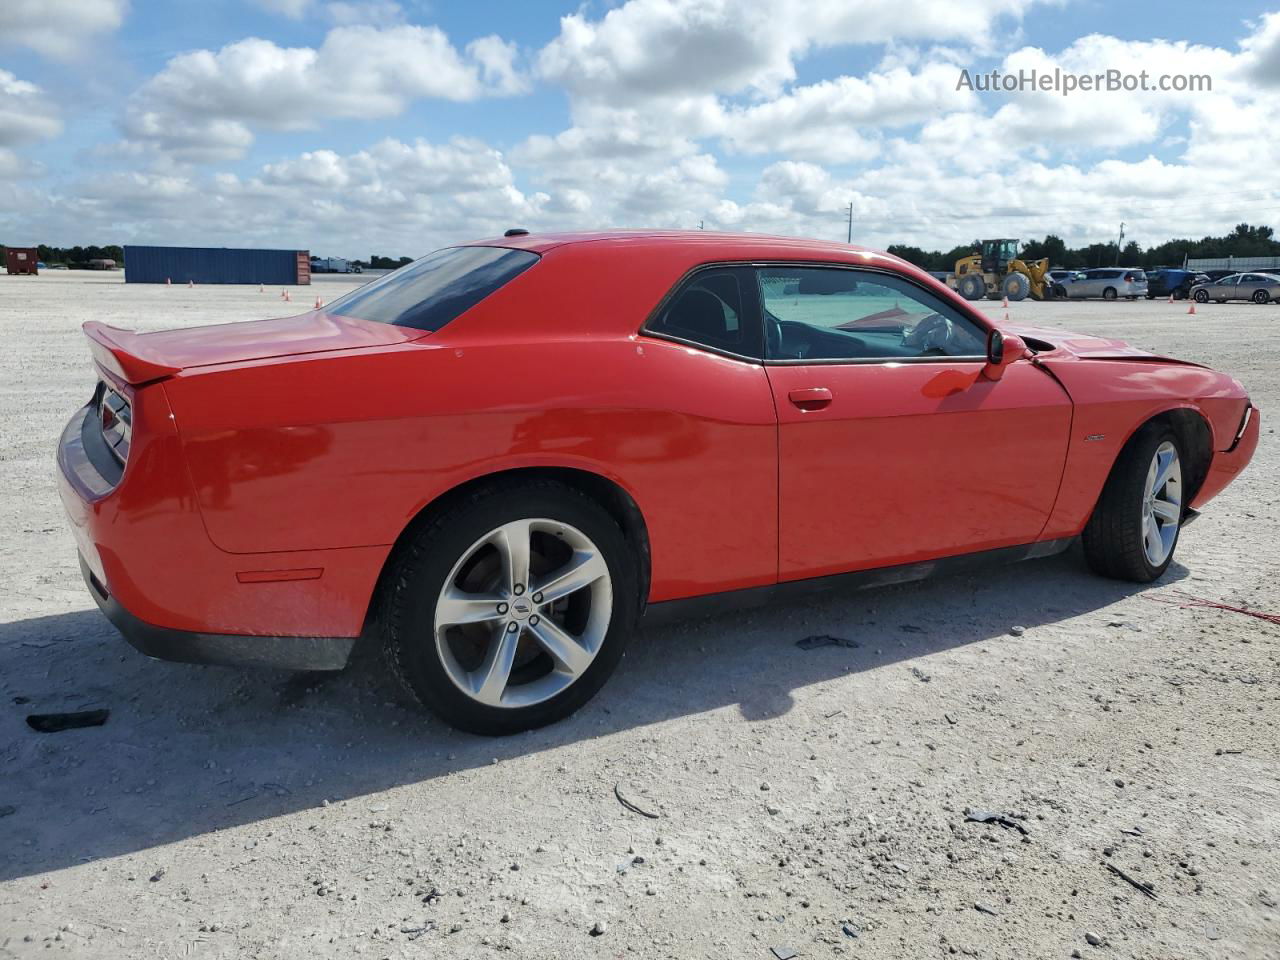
(401, 126)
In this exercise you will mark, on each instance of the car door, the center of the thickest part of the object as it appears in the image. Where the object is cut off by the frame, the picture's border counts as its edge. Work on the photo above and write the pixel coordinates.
(1225, 289)
(892, 446)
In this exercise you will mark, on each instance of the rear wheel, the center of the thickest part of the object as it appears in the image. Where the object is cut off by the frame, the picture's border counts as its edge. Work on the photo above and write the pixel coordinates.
(510, 611)
(1134, 528)
(1109, 293)
(1261, 296)
(1202, 296)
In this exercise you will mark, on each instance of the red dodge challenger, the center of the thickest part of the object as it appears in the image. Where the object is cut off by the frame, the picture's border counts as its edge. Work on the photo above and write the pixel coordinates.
(496, 458)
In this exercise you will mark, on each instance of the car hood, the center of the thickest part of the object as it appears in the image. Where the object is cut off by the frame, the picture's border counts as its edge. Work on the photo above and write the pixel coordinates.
(1088, 347)
(139, 357)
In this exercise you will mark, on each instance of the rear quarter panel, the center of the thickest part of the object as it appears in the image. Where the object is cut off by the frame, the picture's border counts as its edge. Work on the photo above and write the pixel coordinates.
(343, 450)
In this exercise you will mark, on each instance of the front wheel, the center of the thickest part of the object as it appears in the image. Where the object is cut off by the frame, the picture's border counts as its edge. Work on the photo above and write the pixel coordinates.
(512, 609)
(1134, 527)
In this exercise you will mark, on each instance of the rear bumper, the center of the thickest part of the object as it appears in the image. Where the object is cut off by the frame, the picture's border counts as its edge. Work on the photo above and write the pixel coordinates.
(141, 535)
(185, 646)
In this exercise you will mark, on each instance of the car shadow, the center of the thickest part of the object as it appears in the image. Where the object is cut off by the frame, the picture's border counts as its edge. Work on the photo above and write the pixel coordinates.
(188, 750)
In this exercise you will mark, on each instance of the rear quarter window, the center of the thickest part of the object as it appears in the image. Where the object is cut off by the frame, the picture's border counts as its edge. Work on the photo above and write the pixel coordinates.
(428, 293)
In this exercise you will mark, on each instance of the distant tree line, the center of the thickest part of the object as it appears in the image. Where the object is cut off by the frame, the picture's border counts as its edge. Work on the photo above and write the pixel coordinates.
(1243, 241)
(387, 263)
(74, 256)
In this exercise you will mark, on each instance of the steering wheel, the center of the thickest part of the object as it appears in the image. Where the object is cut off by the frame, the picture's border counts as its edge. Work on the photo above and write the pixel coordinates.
(934, 332)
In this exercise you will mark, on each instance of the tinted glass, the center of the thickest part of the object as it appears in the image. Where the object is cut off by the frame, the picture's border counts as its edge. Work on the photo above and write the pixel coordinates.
(814, 313)
(430, 292)
(707, 310)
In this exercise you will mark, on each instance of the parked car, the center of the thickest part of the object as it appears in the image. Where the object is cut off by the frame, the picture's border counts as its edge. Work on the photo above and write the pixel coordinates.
(540, 438)
(1109, 283)
(1217, 274)
(1258, 287)
(1060, 279)
(1172, 282)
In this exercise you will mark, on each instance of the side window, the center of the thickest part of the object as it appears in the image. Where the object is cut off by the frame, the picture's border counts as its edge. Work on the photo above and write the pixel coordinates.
(710, 309)
(819, 313)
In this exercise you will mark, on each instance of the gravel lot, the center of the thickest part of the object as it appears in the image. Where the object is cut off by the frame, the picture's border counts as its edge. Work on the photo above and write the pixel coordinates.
(811, 801)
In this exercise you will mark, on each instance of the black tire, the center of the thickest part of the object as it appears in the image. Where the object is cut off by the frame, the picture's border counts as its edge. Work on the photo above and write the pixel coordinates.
(1202, 296)
(1261, 296)
(1109, 293)
(1015, 286)
(1113, 538)
(429, 555)
(971, 286)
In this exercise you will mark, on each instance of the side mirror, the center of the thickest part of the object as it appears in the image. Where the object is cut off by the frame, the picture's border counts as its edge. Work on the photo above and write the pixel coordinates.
(1002, 350)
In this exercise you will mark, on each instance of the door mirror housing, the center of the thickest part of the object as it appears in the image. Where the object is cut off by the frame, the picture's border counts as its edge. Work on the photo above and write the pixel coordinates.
(1002, 350)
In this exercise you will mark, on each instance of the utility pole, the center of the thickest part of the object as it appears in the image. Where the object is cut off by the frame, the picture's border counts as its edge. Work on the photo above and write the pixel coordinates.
(700, 224)
(850, 237)
(1119, 243)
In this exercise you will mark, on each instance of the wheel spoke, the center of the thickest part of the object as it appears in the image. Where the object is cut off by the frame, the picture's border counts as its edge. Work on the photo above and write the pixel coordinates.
(1153, 534)
(584, 569)
(512, 541)
(1167, 463)
(569, 656)
(490, 679)
(458, 607)
(1166, 511)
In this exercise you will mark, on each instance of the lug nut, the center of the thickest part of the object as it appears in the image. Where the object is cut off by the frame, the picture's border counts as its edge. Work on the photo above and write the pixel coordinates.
(533, 621)
(537, 598)
(512, 627)
(519, 588)
(502, 608)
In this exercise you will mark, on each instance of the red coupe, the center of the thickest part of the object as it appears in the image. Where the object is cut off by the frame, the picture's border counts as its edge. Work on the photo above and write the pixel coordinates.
(496, 458)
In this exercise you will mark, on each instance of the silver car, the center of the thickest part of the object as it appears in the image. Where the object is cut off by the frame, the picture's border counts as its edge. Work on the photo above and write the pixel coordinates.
(1258, 287)
(1109, 283)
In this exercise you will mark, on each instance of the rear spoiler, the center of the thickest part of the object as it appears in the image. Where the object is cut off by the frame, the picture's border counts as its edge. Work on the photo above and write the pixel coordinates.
(126, 354)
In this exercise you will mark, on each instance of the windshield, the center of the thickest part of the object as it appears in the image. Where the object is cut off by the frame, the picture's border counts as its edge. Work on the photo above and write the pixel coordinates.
(430, 292)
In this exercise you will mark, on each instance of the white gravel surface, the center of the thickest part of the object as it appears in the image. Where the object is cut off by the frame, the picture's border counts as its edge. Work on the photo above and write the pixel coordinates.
(807, 801)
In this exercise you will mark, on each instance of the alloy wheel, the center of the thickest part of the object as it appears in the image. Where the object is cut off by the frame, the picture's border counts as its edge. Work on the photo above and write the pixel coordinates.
(1162, 504)
(523, 613)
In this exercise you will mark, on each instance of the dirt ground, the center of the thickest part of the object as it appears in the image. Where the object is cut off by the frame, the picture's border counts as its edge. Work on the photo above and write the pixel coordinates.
(807, 801)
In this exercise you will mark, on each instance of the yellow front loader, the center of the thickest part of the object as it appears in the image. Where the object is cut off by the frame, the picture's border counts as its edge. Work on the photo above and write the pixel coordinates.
(998, 272)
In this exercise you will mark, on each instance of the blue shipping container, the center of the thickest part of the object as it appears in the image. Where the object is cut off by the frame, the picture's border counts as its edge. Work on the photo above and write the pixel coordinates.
(216, 265)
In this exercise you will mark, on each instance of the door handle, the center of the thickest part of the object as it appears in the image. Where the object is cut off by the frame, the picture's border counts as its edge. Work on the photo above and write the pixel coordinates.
(810, 398)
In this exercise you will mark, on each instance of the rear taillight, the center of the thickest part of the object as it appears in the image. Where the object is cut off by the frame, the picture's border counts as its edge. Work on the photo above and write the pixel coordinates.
(116, 420)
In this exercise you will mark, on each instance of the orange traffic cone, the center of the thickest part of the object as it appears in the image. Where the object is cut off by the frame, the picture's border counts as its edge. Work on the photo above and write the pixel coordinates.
(1006, 303)
(1171, 298)
(1006, 317)
(287, 297)
(319, 303)
(262, 288)
(168, 282)
(1191, 310)
(191, 284)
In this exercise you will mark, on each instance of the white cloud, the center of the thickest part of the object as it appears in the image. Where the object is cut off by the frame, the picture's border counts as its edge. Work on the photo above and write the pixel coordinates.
(58, 28)
(656, 48)
(204, 105)
(25, 117)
